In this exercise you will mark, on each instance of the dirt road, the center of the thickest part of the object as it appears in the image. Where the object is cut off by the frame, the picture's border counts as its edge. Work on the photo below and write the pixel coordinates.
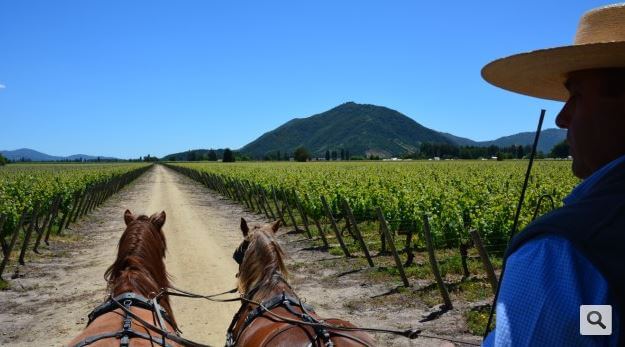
(51, 296)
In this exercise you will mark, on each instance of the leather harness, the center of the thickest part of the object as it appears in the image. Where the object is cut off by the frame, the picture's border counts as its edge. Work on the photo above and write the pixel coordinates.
(128, 299)
(285, 300)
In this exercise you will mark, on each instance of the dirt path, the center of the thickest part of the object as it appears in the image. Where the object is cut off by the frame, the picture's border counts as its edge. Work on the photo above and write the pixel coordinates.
(52, 294)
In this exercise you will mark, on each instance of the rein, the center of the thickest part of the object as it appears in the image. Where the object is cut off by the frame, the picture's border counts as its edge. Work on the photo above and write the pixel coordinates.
(409, 333)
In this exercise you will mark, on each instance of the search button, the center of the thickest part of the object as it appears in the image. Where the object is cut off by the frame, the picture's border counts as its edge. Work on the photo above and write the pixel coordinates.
(595, 320)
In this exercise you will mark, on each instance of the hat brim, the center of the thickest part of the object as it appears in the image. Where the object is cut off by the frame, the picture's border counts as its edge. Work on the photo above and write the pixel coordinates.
(542, 73)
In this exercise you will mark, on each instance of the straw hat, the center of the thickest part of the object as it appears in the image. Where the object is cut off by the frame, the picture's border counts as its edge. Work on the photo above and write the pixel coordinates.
(599, 43)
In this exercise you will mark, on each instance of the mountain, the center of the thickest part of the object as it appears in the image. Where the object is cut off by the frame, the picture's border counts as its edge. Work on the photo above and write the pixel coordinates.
(548, 139)
(192, 155)
(27, 154)
(362, 129)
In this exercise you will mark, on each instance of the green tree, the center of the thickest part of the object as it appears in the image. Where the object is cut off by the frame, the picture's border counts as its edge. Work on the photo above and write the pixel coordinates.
(301, 154)
(228, 156)
(3, 160)
(560, 150)
(212, 156)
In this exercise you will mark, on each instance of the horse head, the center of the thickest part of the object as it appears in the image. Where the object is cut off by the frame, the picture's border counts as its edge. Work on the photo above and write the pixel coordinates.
(260, 259)
(139, 266)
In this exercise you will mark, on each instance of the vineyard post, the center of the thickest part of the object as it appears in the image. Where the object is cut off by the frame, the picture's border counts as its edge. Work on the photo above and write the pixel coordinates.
(240, 193)
(253, 198)
(70, 213)
(85, 202)
(250, 194)
(42, 229)
(488, 266)
(363, 245)
(439, 279)
(302, 213)
(280, 212)
(288, 209)
(5, 260)
(55, 213)
(81, 198)
(318, 224)
(261, 201)
(3, 218)
(391, 245)
(264, 194)
(246, 196)
(334, 227)
(408, 247)
(33, 221)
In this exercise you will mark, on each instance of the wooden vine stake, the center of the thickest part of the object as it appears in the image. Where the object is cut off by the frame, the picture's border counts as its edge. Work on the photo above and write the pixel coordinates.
(434, 264)
(488, 266)
(391, 245)
(334, 227)
(302, 213)
(363, 245)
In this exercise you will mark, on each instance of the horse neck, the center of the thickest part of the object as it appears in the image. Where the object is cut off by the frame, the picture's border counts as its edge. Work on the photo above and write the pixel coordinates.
(269, 288)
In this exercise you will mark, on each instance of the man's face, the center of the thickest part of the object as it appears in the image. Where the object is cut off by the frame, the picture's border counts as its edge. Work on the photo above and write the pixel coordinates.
(595, 118)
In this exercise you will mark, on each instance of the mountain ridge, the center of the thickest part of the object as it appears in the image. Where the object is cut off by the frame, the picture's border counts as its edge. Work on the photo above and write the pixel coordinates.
(366, 129)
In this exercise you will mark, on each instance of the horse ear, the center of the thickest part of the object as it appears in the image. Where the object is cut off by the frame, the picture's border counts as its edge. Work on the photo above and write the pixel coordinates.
(244, 227)
(158, 219)
(128, 217)
(275, 226)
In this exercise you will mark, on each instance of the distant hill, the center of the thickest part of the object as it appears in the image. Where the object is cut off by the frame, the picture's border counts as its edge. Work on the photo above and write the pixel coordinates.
(190, 155)
(27, 154)
(548, 139)
(361, 129)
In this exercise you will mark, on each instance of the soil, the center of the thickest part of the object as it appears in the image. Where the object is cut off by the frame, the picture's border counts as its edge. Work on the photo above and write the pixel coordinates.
(49, 298)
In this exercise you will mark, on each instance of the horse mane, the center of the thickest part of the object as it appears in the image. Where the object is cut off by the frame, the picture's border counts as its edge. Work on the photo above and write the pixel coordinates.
(139, 266)
(263, 259)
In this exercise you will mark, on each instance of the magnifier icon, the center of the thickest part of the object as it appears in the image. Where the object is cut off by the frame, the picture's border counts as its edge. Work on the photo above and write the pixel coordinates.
(597, 321)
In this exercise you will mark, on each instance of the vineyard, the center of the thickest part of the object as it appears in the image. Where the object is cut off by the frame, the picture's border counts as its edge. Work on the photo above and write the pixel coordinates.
(456, 196)
(46, 198)
(443, 226)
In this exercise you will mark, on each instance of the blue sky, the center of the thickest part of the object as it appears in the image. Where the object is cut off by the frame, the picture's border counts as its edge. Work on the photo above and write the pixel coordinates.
(130, 78)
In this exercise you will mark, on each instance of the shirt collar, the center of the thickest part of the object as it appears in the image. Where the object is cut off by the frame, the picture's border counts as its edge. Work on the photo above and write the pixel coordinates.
(583, 188)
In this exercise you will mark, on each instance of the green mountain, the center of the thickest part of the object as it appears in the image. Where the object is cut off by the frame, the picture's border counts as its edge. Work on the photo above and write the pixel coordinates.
(192, 155)
(548, 139)
(361, 129)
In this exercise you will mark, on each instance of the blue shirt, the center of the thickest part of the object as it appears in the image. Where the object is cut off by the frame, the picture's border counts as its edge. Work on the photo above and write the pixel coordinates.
(546, 281)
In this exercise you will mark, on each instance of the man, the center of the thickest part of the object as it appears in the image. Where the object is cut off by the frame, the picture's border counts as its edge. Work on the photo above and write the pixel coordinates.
(574, 255)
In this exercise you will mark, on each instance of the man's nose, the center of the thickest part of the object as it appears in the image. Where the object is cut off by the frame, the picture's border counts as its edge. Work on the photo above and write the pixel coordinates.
(564, 117)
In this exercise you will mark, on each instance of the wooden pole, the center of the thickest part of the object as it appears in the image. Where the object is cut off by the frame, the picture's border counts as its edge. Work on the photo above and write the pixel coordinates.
(488, 266)
(302, 213)
(439, 279)
(391, 245)
(334, 227)
(5, 260)
(288, 209)
(275, 200)
(363, 245)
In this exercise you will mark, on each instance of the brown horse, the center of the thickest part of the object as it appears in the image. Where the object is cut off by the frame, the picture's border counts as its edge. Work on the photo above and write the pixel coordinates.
(135, 277)
(262, 279)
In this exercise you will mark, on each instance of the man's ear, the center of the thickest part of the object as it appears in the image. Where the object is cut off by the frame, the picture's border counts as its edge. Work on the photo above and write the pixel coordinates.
(244, 227)
(275, 226)
(158, 219)
(128, 217)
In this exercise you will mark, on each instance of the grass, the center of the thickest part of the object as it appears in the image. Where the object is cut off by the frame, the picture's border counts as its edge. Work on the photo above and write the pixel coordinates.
(477, 318)
(4, 285)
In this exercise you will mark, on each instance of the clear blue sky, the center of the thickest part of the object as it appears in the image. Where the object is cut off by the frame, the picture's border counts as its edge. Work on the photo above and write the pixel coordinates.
(128, 78)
